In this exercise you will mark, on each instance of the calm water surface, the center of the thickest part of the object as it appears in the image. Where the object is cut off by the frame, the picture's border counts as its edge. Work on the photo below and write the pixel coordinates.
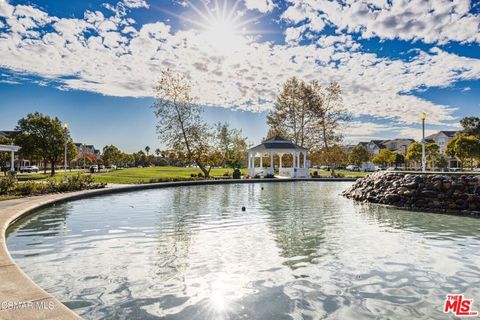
(300, 251)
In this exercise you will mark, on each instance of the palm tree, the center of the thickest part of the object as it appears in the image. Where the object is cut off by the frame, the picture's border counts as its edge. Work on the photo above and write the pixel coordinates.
(147, 149)
(157, 152)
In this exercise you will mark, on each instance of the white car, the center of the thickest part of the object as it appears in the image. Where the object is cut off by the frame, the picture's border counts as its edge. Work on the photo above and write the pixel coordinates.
(352, 168)
(28, 169)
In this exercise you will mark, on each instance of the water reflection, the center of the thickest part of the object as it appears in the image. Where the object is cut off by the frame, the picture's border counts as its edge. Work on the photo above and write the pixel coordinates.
(298, 251)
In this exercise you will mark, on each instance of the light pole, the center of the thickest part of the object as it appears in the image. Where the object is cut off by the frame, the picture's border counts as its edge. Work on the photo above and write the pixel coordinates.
(83, 151)
(423, 116)
(65, 127)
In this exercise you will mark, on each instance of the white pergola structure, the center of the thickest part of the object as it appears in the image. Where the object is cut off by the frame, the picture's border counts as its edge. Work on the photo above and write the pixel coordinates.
(12, 149)
(278, 146)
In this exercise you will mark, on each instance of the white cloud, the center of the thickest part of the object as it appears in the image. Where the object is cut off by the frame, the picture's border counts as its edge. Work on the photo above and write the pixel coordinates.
(434, 21)
(115, 57)
(135, 3)
(263, 6)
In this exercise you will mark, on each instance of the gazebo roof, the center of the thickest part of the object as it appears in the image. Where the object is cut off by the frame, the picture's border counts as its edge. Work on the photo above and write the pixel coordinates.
(277, 143)
(9, 147)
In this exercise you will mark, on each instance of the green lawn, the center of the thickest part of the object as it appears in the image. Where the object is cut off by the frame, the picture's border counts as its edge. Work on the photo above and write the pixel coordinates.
(144, 175)
(153, 174)
(132, 175)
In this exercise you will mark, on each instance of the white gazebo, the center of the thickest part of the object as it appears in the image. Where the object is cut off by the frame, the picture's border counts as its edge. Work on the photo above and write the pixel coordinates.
(12, 149)
(279, 146)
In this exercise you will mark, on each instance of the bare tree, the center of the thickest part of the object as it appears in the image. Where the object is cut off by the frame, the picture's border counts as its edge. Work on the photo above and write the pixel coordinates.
(179, 120)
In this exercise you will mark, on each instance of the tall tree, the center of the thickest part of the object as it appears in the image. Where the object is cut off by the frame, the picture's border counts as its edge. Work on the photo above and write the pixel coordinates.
(158, 152)
(471, 126)
(414, 152)
(231, 145)
(292, 114)
(359, 155)
(308, 114)
(179, 120)
(147, 150)
(43, 137)
(465, 149)
(384, 157)
(112, 155)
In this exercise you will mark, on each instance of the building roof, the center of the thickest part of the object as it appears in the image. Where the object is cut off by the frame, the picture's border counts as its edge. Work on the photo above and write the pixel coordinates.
(378, 143)
(449, 133)
(8, 134)
(277, 142)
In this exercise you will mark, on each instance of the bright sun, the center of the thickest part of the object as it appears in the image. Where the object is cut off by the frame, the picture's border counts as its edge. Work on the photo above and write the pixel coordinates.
(221, 27)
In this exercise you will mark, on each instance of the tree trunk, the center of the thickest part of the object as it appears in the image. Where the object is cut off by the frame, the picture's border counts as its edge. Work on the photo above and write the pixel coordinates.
(52, 164)
(45, 166)
(206, 172)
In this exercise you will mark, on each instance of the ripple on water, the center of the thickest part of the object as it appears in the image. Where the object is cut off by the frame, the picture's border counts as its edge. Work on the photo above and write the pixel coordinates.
(298, 251)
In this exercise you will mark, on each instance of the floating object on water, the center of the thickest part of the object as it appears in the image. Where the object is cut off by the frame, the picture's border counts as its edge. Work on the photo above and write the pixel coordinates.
(244, 209)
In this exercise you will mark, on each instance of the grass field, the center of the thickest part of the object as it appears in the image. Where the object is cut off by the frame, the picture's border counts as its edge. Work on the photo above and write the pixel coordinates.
(146, 175)
(131, 175)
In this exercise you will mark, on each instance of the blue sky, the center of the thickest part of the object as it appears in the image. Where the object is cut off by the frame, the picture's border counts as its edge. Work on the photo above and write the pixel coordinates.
(94, 63)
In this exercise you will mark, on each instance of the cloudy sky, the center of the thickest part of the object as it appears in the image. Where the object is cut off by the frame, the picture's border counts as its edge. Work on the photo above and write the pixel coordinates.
(94, 63)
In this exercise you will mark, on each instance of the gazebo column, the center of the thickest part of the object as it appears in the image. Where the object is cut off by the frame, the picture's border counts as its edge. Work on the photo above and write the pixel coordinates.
(294, 160)
(280, 155)
(261, 160)
(298, 159)
(271, 163)
(12, 162)
(305, 159)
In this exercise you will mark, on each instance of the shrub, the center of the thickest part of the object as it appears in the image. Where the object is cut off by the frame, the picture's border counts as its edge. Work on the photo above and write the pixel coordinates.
(6, 184)
(269, 176)
(200, 175)
(193, 175)
(226, 174)
(28, 188)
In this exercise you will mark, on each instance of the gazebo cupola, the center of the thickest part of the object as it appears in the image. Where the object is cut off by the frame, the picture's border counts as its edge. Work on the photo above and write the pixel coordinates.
(278, 146)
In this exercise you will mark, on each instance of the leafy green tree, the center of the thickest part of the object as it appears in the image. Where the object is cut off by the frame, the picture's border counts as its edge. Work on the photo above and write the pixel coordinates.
(112, 155)
(384, 157)
(359, 155)
(42, 137)
(465, 149)
(471, 126)
(414, 152)
(232, 147)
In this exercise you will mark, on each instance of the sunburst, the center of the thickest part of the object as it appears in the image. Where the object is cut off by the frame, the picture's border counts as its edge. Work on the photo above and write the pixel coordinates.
(222, 27)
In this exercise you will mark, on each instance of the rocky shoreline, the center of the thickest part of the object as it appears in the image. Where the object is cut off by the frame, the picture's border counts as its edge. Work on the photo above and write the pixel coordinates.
(447, 193)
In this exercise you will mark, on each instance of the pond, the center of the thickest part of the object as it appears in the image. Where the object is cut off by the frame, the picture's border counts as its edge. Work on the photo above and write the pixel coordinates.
(298, 251)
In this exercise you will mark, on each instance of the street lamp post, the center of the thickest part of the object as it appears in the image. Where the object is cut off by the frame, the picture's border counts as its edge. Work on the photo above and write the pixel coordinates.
(423, 116)
(65, 127)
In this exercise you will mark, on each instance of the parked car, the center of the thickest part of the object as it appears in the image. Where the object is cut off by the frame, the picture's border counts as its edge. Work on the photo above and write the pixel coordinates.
(454, 169)
(352, 168)
(29, 169)
(102, 167)
(111, 166)
(93, 168)
(326, 168)
(379, 168)
(391, 169)
(367, 167)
